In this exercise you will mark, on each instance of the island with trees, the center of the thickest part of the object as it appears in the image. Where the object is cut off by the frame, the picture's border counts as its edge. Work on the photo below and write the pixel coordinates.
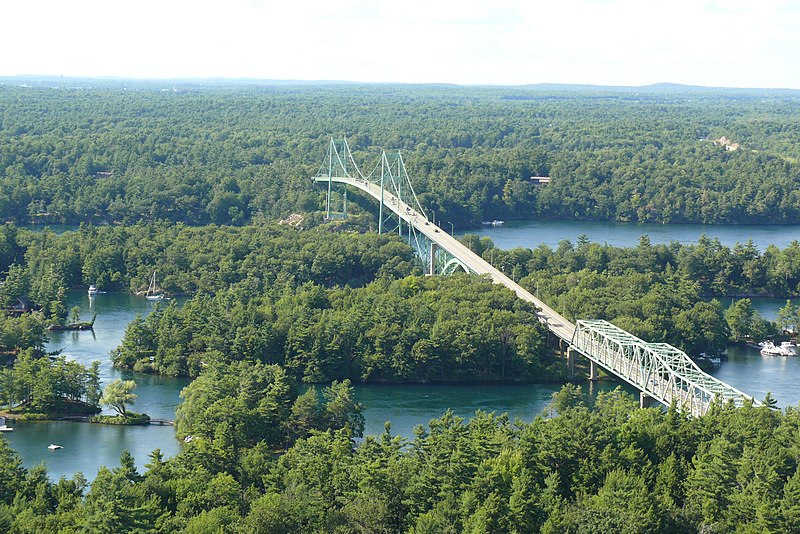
(209, 186)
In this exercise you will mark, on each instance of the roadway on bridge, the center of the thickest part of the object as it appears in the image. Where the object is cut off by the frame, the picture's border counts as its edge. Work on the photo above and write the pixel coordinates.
(554, 321)
(657, 369)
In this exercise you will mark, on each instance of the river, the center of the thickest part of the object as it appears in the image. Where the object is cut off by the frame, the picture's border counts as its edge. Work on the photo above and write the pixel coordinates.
(88, 446)
(531, 234)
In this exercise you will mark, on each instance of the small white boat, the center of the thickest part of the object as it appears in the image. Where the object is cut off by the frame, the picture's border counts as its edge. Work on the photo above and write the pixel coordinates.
(3, 426)
(152, 294)
(54, 447)
(495, 222)
(92, 290)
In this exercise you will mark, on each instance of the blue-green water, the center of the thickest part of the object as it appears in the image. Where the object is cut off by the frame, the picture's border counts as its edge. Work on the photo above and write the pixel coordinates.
(407, 406)
(768, 308)
(57, 229)
(747, 370)
(87, 446)
(530, 234)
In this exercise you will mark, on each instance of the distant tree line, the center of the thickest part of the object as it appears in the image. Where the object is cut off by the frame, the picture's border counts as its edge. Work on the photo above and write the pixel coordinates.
(228, 155)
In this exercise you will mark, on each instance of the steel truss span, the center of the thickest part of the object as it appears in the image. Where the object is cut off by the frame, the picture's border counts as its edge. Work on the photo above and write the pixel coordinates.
(659, 370)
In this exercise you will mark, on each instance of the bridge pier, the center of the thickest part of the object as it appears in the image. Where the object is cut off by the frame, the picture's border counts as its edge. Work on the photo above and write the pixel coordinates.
(645, 400)
(570, 363)
(432, 266)
(592, 371)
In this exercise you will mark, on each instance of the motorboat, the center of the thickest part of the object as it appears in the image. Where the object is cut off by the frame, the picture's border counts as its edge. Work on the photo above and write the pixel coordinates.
(786, 348)
(54, 447)
(3, 426)
(93, 290)
(768, 348)
(494, 222)
(707, 361)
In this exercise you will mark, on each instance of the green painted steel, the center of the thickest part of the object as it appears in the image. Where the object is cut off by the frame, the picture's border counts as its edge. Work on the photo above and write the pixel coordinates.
(399, 209)
(659, 370)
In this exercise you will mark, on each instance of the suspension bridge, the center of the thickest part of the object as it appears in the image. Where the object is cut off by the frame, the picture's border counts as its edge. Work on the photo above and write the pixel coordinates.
(659, 371)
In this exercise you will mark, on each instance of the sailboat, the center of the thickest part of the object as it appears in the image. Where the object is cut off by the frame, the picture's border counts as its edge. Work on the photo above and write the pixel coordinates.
(151, 291)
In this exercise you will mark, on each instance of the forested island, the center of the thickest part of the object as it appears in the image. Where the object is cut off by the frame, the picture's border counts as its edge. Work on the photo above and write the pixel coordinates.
(334, 305)
(287, 313)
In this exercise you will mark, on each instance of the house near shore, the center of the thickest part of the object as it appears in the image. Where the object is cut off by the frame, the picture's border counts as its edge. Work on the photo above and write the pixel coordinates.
(23, 305)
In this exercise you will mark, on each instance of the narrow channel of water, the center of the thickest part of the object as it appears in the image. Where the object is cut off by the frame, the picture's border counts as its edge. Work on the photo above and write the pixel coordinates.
(406, 406)
(530, 234)
(767, 307)
(88, 446)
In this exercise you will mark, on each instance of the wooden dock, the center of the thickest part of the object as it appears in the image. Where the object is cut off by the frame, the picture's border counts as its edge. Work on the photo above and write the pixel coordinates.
(162, 422)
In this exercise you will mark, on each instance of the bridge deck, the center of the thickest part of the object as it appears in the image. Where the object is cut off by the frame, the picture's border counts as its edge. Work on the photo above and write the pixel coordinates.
(557, 324)
(660, 370)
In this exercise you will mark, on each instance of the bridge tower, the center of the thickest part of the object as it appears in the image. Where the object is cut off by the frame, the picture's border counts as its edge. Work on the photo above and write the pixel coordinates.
(658, 370)
(391, 176)
(339, 164)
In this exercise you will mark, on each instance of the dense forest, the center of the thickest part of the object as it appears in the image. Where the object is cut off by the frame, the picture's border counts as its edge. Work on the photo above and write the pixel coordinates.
(42, 388)
(460, 329)
(226, 154)
(189, 181)
(331, 303)
(191, 259)
(717, 270)
(607, 466)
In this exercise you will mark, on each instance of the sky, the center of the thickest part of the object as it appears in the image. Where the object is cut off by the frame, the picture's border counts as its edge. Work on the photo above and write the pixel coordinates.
(732, 43)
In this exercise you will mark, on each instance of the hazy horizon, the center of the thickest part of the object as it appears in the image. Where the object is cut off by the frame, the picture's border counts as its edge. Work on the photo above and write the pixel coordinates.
(271, 81)
(623, 43)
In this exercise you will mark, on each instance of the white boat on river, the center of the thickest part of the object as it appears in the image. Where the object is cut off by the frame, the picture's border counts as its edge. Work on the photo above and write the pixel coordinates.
(3, 426)
(768, 348)
(152, 293)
